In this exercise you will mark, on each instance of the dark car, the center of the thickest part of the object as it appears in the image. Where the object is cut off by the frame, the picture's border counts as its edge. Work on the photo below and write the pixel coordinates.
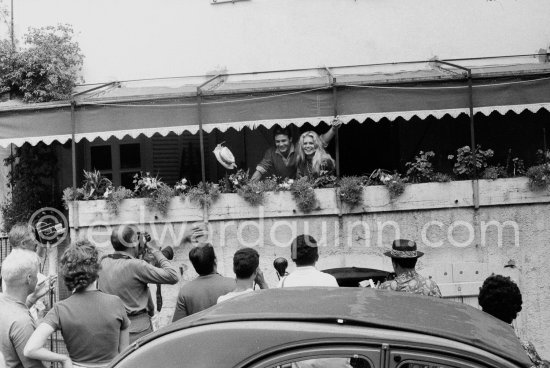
(331, 327)
(352, 276)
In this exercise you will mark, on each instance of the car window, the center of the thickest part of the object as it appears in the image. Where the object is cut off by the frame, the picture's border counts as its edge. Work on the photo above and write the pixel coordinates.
(328, 362)
(416, 359)
(323, 356)
(425, 365)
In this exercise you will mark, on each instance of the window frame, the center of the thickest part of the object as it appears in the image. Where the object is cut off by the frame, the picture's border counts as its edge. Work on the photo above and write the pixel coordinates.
(373, 354)
(114, 143)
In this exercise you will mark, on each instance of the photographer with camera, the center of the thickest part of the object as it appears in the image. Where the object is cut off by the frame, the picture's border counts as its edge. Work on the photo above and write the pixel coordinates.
(125, 275)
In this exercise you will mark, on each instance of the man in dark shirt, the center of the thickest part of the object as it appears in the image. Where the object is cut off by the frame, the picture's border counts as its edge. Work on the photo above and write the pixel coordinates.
(281, 159)
(125, 276)
(204, 291)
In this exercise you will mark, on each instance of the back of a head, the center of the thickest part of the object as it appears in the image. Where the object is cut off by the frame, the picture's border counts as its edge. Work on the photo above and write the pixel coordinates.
(304, 250)
(18, 264)
(245, 262)
(500, 297)
(203, 259)
(79, 265)
(122, 237)
(21, 235)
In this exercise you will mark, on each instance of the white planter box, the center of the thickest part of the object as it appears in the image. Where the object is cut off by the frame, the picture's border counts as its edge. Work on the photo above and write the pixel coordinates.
(456, 194)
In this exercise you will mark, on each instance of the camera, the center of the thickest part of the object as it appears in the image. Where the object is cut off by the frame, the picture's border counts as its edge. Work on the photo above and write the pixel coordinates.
(143, 238)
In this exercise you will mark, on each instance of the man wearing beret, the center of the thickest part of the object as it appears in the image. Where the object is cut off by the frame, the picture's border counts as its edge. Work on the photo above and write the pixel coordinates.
(404, 256)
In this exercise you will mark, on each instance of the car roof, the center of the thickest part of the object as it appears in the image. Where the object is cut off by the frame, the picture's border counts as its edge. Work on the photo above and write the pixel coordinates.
(367, 307)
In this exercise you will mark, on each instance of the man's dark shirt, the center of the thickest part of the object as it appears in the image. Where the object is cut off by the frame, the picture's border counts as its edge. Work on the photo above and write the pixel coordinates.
(201, 293)
(274, 163)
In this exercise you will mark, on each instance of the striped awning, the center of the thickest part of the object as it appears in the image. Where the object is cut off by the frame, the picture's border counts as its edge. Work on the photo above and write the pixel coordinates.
(107, 117)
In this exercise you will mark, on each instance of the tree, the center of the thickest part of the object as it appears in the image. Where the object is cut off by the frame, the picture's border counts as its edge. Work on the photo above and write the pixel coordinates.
(46, 69)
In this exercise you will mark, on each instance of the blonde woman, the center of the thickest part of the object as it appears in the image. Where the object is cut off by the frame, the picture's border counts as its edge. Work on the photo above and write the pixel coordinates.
(312, 160)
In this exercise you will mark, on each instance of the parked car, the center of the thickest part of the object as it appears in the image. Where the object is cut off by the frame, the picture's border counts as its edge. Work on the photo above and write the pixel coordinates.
(331, 327)
(352, 276)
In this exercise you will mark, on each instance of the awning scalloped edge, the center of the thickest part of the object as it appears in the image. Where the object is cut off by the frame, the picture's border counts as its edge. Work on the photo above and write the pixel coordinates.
(222, 127)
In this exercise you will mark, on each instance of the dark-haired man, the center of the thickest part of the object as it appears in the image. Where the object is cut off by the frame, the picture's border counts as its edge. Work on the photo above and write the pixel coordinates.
(305, 254)
(204, 291)
(281, 159)
(246, 262)
(404, 256)
(124, 275)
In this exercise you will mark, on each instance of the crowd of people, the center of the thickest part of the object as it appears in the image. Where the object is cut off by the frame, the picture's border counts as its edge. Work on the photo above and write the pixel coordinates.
(110, 301)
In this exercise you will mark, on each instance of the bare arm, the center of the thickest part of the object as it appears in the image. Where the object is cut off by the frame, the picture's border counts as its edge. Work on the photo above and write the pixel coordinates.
(256, 176)
(327, 137)
(35, 347)
(124, 339)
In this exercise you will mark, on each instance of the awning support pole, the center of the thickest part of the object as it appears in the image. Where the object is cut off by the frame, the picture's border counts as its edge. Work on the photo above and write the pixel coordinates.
(472, 128)
(201, 138)
(73, 160)
(332, 81)
(201, 132)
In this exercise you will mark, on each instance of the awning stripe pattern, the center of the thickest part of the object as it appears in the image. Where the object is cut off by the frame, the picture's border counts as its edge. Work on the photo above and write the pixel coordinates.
(97, 120)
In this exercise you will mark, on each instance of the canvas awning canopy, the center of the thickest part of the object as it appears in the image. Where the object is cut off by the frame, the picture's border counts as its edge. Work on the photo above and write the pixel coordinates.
(237, 101)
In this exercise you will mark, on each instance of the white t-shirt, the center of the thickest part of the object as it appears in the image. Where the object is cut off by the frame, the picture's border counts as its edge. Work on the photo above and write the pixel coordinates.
(233, 294)
(307, 276)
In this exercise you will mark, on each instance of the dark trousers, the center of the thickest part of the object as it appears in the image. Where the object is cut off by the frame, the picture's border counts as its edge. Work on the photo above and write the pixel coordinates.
(140, 326)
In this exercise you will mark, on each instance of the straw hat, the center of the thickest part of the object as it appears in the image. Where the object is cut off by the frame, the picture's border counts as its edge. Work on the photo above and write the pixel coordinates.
(225, 157)
(403, 248)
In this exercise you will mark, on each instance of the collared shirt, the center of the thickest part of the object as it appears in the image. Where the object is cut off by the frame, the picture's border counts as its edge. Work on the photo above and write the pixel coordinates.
(413, 282)
(233, 294)
(127, 278)
(201, 293)
(307, 276)
(275, 163)
(16, 327)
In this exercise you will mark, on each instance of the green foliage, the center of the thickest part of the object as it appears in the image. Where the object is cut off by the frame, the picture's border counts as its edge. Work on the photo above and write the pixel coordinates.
(95, 185)
(234, 182)
(421, 169)
(542, 157)
(394, 182)
(115, 198)
(31, 181)
(441, 177)
(204, 194)
(159, 199)
(351, 190)
(46, 69)
(325, 181)
(69, 195)
(494, 172)
(539, 177)
(253, 193)
(304, 195)
(465, 167)
(518, 167)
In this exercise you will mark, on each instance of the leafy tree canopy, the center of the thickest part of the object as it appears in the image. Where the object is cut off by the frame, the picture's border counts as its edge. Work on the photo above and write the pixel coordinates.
(47, 68)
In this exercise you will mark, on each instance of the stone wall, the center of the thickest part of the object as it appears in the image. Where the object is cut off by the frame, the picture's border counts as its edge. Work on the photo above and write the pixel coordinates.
(462, 245)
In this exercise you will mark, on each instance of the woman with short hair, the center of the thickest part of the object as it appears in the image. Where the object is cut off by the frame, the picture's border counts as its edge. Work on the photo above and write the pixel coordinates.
(94, 325)
(500, 297)
(312, 160)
